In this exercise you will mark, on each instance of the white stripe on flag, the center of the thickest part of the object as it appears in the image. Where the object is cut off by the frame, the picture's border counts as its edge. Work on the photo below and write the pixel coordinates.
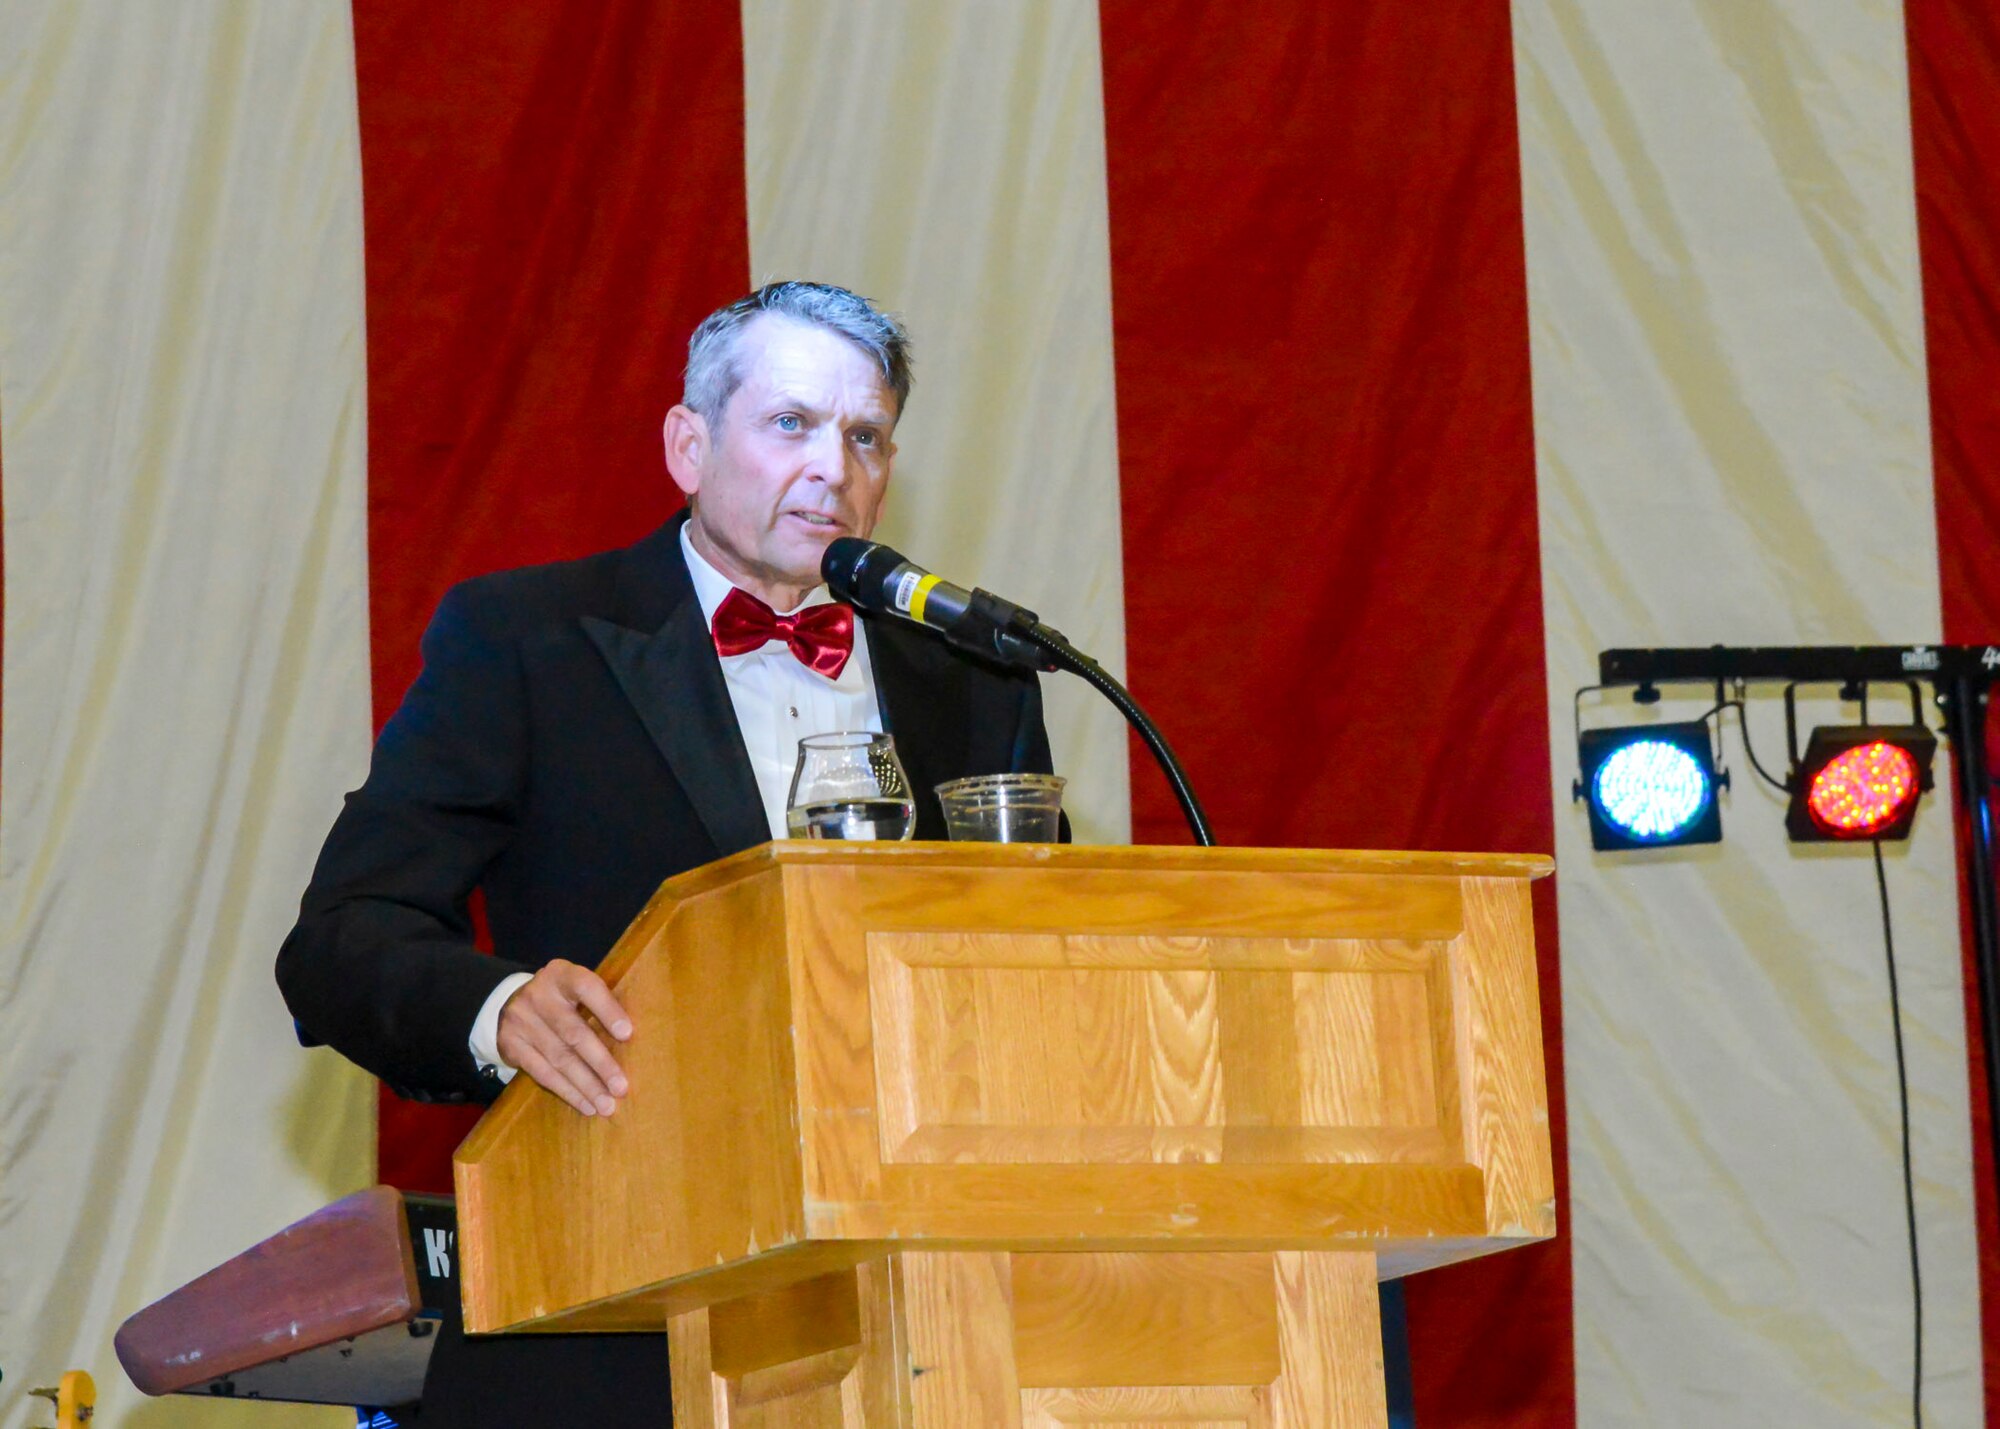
(967, 192)
(186, 677)
(1731, 431)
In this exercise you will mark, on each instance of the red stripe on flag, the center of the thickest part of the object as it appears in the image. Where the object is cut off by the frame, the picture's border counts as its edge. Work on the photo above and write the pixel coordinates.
(1333, 586)
(1955, 130)
(551, 203)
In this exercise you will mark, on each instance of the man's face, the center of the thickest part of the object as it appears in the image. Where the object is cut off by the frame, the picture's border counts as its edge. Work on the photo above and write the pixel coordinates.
(801, 456)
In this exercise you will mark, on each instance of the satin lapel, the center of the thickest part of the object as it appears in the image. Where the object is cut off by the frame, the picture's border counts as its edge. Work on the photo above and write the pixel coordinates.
(925, 706)
(674, 681)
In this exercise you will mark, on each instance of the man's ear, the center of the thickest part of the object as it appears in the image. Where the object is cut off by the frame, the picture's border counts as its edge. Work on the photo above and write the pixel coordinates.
(686, 436)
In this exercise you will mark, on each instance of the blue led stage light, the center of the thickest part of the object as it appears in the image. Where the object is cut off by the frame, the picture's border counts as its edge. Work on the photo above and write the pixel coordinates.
(1650, 790)
(1650, 786)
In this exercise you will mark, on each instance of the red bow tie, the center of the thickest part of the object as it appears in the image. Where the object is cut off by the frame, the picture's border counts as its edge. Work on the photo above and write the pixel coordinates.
(822, 636)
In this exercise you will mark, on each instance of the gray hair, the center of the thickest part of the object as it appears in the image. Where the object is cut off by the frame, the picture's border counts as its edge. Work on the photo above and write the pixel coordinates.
(713, 376)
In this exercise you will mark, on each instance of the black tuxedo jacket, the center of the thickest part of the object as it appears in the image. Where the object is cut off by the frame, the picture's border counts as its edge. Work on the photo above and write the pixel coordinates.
(569, 744)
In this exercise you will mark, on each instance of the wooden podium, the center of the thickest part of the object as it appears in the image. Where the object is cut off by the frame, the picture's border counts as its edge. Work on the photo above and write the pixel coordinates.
(970, 1135)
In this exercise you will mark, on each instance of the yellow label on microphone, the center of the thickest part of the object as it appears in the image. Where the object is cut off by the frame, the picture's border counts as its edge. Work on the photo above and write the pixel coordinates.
(915, 604)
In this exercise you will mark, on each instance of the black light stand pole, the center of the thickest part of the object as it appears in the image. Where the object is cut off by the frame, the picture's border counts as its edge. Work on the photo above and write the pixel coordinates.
(1965, 723)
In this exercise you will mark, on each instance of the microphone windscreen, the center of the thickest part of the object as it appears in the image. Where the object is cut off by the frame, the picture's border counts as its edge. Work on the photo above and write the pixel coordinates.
(860, 572)
(841, 565)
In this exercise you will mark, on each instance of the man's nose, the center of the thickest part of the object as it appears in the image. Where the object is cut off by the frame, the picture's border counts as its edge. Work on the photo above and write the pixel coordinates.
(828, 459)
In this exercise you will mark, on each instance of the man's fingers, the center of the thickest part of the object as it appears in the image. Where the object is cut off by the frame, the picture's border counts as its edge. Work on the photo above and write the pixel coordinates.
(598, 1069)
(538, 1067)
(591, 992)
(573, 1067)
(543, 1032)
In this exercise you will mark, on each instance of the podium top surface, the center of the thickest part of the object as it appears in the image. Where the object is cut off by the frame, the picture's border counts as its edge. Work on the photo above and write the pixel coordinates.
(1162, 857)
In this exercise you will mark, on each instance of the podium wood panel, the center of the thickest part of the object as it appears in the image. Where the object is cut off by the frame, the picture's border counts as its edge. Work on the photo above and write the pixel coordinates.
(948, 1339)
(849, 1058)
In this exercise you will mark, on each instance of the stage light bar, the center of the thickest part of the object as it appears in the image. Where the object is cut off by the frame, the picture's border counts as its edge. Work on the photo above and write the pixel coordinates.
(1859, 781)
(1650, 786)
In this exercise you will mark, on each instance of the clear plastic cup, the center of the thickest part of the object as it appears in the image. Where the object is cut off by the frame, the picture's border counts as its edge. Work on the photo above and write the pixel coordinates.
(1004, 808)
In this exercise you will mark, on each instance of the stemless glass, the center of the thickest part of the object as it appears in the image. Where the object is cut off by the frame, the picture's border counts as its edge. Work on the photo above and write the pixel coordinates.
(1003, 808)
(850, 786)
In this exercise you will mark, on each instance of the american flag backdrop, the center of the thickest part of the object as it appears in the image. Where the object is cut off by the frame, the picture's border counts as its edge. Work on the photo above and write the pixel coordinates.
(1346, 373)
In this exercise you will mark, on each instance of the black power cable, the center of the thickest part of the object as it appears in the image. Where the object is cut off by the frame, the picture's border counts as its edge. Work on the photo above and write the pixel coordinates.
(1909, 1176)
(1965, 724)
(1743, 723)
(1902, 1070)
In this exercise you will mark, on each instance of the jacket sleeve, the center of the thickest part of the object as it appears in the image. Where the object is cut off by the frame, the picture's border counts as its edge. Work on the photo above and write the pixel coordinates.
(381, 965)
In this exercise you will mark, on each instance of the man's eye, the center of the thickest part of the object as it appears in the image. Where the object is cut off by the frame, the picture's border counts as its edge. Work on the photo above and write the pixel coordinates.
(789, 422)
(865, 437)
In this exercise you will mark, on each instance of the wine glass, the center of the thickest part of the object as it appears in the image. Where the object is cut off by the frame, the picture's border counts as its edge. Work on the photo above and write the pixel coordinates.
(850, 785)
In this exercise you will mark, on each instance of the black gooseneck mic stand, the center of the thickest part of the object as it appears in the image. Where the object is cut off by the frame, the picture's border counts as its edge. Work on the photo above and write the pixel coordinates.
(1064, 656)
(878, 579)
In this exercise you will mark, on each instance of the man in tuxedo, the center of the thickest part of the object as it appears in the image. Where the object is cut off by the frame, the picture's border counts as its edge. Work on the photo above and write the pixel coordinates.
(584, 730)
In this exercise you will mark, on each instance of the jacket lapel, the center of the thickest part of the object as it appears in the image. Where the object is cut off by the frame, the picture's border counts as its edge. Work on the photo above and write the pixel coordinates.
(664, 660)
(925, 706)
(674, 681)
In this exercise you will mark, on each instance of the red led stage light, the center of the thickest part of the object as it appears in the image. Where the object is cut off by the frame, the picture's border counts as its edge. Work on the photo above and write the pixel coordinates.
(1863, 789)
(1860, 782)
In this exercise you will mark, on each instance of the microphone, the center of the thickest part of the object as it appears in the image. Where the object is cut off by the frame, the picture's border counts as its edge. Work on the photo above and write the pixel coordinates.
(876, 579)
(880, 580)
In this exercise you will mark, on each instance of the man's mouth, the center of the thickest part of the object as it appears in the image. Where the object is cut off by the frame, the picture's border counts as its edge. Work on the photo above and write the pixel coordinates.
(815, 519)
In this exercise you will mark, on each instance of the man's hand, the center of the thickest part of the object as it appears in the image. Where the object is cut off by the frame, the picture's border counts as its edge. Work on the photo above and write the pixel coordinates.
(542, 1031)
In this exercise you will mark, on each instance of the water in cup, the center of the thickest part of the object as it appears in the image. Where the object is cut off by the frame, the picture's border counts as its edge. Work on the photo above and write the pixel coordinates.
(850, 785)
(852, 819)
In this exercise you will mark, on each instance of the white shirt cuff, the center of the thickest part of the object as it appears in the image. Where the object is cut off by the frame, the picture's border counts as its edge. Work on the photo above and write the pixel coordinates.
(485, 1039)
